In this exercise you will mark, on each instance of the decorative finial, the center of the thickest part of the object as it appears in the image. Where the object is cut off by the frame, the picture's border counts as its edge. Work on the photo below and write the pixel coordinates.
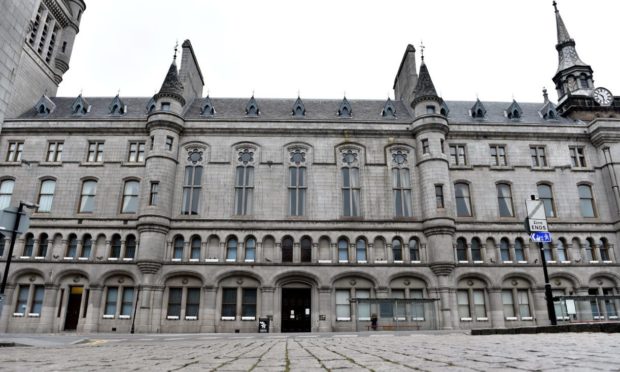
(176, 47)
(252, 93)
(555, 6)
(545, 95)
(118, 93)
(422, 47)
(208, 92)
(297, 93)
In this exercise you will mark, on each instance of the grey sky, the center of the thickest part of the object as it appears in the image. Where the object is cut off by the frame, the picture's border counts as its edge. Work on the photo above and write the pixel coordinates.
(494, 49)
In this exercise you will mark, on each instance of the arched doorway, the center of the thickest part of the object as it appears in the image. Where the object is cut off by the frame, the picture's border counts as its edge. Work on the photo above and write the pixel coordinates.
(296, 307)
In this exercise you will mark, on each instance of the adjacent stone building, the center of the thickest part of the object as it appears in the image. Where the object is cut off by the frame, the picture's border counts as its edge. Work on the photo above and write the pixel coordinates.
(184, 213)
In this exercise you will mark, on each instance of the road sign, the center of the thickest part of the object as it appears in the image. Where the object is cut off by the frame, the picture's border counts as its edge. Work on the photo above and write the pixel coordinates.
(537, 225)
(7, 221)
(535, 209)
(541, 237)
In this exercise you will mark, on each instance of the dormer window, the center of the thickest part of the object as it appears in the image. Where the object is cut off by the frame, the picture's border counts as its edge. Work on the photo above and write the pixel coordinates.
(251, 109)
(388, 109)
(44, 106)
(43, 110)
(345, 108)
(514, 115)
(478, 111)
(117, 107)
(514, 111)
(299, 110)
(444, 109)
(80, 106)
(207, 107)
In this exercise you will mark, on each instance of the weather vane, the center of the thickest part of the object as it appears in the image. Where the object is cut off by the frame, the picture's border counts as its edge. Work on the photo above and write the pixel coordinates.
(176, 46)
(422, 47)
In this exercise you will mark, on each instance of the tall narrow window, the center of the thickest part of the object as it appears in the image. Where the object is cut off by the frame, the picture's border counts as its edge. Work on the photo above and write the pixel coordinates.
(546, 195)
(297, 191)
(560, 250)
(360, 250)
(154, 196)
(95, 152)
(504, 250)
(177, 249)
(54, 151)
(130, 197)
(414, 250)
(538, 155)
(21, 305)
(519, 250)
(169, 140)
(363, 308)
(72, 244)
(127, 301)
(87, 199)
(306, 249)
(524, 303)
(42, 247)
(508, 303)
(504, 200)
(397, 250)
(439, 197)
(250, 249)
(2, 245)
(604, 250)
(287, 249)
(192, 304)
(110, 301)
(87, 246)
(589, 250)
(463, 200)
(115, 246)
(343, 307)
(462, 297)
(498, 155)
(401, 189)
(229, 302)
(244, 189)
(194, 252)
(461, 249)
(46, 196)
(547, 252)
(175, 298)
(37, 299)
(231, 250)
(425, 146)
(350, 192)
(248, 303)
(343, 250)
(479, 303)
(191, 189)
(14, 153)
(586, 201)
(136, 152)
(130, 246)
(29, 245)
(577, 156)
(476, 252)
(6, 192)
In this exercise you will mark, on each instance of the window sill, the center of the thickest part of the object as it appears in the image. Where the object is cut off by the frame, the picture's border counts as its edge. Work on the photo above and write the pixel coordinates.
(364, 318)
(362, 262)
(380, 261)
(228, 318)
(24, 257)
(248, 260)
(108, 316)
(175, 260)
(482, 319)
(50, 164)
(418, 319)
(343, 319)
(248, 318)
(613, 317)
(552, 262)
(416, 262)
(211, 260)
(478, 262)
(190, 317)
(606, 262)
(343, 261)
(325, 261)
(507, 262)
(511, 318)
(463, 262)
(18, 315)
(172, 317)
(581, 169)
(231, 260)
(521, 262)
(82, 258)
(124, 317)
(33, 315)
(194, 260)
(502, 167)
(527, 318)
(68, 258)
(461, 167)
(466, 319)
(39, 258)
(594, 262)
(91, 164)
(112, 258)
(127, 259)
(541, 169)
(133, 164)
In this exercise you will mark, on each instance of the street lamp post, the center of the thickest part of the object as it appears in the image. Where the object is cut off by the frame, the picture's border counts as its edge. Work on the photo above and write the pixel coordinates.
(20, 210)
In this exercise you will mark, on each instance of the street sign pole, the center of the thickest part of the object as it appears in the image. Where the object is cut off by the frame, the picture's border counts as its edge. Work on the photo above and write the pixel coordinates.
(537, 222)
(11, 247)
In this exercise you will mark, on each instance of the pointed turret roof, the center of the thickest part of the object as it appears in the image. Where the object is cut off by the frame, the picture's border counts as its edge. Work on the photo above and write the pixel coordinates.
(567, 54)
(172, 86)
(424, 89)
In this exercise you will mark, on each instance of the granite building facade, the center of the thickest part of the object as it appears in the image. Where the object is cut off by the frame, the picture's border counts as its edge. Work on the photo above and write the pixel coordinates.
(184, 213)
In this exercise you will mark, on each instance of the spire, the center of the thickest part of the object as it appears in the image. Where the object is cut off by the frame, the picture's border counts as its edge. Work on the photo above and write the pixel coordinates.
(567, 54)
(172, 86)
(424, 89)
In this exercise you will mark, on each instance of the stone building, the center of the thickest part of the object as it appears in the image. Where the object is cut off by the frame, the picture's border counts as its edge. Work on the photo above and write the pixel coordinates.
(184, 213)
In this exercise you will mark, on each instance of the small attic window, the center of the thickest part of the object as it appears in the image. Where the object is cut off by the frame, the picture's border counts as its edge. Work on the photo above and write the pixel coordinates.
(477, 114)
(208, 110)
(165, 106)
(388, 112)
(299, 111)
(79, 110)
(583, 82)
(252, 110)
(514, 115)
(151, 108)
(43, 110)
(117, 110)
(443, 112)
(430, 109)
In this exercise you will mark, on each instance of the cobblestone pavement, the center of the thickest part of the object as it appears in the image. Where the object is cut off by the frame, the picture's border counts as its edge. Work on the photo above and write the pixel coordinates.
(313, 352)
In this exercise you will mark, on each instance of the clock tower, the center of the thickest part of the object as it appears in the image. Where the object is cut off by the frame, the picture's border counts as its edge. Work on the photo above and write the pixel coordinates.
(578, 98)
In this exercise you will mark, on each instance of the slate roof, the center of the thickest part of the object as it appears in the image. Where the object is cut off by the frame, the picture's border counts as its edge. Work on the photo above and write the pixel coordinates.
(275, 109)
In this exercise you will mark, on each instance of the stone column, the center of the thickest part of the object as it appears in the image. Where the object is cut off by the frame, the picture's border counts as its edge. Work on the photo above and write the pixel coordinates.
(7, 307)
(315, 252)
(540, 306)
(584, 310)
(296, 252)
(333, 249)
(260, 255)
(496, 308)
(207, 312)
(443, 273)
(268, 305)
(327, 314)
(48, 311)
(157, 310)
(94, 309)
(371, 253)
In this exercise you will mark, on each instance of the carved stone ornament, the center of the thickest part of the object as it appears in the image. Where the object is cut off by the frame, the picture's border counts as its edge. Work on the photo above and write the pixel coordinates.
(515, 282)
(599, 282)
(470, 282)
(352, 282)
(349, 157)
(558, 282)
(399, 157)
(121, 280)
(298, 156)
(185, 281)
(240, 281)
(406, 282)
(32, 278)
(194, 155)
(246, 156)
(76, 279)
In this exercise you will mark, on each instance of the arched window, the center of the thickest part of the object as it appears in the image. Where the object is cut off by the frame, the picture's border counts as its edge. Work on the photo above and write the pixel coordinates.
(463, 200)
(178, 248)
(231, 249)
(306, 249)
(504, 249)
(244, 190)
(401, 190)
(2, 245)
(350, 191)
(560, 250)
(42, 248)
(414, 250)
(250, 249)
(72, 244)
(590, 250)
(195, 246)
(343, 250)
(130, 197)
(504, 199)
(519, 251)
(397, 249)
(29, 245)
(360, 250)
(586, 201)
(604, 249)
(87, 245)
(297, 190)
(546, 195)
(6, 192)
(287, 249)
(130, 246)
(87, 198)
(547, 252)
(476, 253)
(461, 249)
(115, 248)
(46, 195)
(191, 189)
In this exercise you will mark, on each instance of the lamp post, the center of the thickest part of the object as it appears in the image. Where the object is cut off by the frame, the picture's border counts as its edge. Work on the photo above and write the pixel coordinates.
(20, 210)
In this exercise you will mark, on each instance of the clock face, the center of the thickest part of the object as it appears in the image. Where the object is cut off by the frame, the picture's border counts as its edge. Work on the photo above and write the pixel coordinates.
(603, 96)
